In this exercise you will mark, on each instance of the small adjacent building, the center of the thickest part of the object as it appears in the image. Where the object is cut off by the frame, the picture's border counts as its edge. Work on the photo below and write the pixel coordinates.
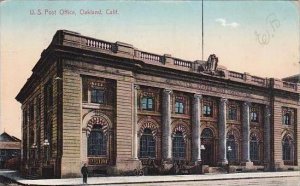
(10, 151)
(120, 110)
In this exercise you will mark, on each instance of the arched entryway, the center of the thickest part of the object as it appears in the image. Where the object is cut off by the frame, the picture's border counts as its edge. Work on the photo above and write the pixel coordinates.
(96, 142)
(207, 140)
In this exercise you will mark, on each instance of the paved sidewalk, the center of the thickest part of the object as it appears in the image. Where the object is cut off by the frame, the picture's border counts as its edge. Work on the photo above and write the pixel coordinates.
(147, 179)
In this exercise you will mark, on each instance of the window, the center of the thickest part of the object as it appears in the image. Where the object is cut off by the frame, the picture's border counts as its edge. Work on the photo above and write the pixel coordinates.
(254, 117)
(287, 148)
(147, 103)
(254, 149)
(231, 149)
(178, 146)
(287, 118)
(38, 125)
(147, 144)
(31, 113)
(207, 111)
(97, 95)
(207, 133)
(254, 114)
(97, 142)
(48, 92)
(232, 113)
(179, 107)
(48, 110)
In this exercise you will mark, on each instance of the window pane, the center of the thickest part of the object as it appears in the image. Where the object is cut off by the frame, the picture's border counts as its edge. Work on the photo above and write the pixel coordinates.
(207, 111)
(150, 103)
(178, 146)
(231, 154)
(147, 144)
(179, 107)
(287, 118)
(96, 142)
(287, 149)
(254, 149)
(97, 96)
(176, 107)
(144, 103)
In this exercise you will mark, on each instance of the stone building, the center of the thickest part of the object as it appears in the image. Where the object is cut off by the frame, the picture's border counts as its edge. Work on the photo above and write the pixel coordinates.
(121, 109)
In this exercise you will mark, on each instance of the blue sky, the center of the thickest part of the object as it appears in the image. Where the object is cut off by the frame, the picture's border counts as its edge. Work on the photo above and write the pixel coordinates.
(240, 33)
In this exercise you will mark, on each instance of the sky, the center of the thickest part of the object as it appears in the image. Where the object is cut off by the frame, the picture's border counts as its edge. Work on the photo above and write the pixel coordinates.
(258, 37)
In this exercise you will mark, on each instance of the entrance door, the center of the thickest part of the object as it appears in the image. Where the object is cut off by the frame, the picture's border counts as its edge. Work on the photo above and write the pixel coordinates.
(207, 154)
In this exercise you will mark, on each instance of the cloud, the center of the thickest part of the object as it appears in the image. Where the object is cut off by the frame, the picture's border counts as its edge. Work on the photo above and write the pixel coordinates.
(224, 23)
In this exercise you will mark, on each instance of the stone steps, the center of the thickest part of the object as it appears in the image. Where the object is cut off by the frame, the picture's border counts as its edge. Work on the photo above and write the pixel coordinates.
(215, 170)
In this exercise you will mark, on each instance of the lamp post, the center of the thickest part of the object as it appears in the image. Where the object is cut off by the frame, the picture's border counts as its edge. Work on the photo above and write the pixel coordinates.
(202, 147)
(46, 145)
(229, 149)
(33, 150)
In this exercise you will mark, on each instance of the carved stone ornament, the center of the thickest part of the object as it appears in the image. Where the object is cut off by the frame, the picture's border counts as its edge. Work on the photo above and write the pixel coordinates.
(210, 66)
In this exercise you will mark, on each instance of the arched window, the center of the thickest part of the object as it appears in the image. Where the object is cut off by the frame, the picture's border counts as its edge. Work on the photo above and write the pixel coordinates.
(97, 142)
(178, 146)
(231, 148)
(254, 148)
(287, 148)
(147, 144)
(206, 133)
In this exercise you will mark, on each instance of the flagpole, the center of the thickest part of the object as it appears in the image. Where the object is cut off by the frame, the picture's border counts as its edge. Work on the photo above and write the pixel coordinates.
(202, 33)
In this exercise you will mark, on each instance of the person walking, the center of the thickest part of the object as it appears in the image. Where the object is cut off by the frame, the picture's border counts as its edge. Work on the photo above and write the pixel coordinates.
(84, 172)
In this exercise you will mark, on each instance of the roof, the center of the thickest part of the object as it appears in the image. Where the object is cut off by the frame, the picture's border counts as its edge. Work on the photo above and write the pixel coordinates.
(4, 137)
(294, 78)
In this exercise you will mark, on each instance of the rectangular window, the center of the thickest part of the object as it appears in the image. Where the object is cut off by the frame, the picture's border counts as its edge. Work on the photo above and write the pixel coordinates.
(287, 118)
(48, 94)
(232, 113)
(179, 107)
(254, 114)
(207, 111)
(147, 103)
(97, 96)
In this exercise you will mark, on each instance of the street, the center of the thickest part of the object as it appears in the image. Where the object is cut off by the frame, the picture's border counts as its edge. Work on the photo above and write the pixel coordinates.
(288, 178)
(281, 181)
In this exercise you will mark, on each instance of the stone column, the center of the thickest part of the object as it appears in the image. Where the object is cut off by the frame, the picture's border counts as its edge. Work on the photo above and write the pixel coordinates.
(28, 133)
(196, 138)
(166, 125)
(246, 132)
(222, 132)
(135, 123)
(267, 134)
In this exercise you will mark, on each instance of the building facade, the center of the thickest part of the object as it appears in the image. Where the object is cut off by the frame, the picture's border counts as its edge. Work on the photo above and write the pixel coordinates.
(10, 151)
(120, 109)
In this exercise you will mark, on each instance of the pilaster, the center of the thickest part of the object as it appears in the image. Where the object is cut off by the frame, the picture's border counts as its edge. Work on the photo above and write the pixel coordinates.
(135, 123)
(267, 135)
(222, 131)
(246, 132)
(166, 125)
(196, 138)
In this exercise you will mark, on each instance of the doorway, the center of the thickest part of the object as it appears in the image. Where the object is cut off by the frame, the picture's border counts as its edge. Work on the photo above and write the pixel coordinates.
(207, 140)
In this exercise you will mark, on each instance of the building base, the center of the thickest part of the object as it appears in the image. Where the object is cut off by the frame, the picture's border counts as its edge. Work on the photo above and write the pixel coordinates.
(125, 167)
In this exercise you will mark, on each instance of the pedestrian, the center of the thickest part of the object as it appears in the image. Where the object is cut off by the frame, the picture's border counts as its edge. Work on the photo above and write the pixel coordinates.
(84, 172)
